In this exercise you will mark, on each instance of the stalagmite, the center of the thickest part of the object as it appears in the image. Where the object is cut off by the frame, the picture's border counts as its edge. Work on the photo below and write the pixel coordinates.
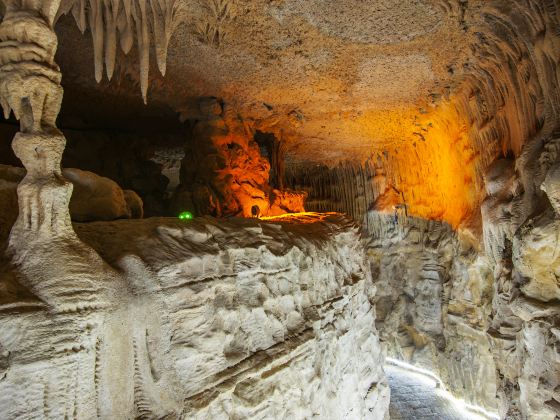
(43, 233)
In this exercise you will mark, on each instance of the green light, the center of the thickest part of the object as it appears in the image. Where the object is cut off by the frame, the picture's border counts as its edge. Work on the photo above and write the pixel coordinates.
(185, 215)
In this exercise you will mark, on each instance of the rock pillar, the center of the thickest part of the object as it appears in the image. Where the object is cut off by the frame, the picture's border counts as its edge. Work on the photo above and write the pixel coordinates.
(52, 262)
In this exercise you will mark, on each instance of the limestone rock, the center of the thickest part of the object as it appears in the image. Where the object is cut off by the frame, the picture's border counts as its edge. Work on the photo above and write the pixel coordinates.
(286, 202)
(210, 320)
(433, 300)
(93, 197)
(224, 173)
(410, 116)
(551, 186)
(134, 204)
(536, 258)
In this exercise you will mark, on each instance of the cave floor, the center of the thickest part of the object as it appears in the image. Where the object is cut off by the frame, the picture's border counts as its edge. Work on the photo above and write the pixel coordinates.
(415, 397)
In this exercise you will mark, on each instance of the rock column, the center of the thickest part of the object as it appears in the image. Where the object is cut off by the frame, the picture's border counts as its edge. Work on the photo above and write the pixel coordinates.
(51, 260)
(30, 87)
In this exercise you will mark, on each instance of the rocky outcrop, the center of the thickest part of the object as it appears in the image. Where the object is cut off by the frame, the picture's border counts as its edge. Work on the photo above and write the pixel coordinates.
(99, 198)
(145, 158)
(524, 309)
(93, 197)
(223, 172)
(477, 303)
(485, 318)
(433, 303)
(208, 319)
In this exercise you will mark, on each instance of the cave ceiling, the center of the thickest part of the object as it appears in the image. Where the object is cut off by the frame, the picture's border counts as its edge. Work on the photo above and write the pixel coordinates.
(336, 79)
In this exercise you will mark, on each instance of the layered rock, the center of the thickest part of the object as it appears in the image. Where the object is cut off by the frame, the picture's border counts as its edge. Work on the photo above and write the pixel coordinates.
(433, 302)
(525, 317)
(210, 319)
(477, 304)
(223, 172)
(486, 319)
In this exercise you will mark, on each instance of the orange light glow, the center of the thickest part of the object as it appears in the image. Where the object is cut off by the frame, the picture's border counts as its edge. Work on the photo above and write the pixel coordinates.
(433, 171)
(302, 217)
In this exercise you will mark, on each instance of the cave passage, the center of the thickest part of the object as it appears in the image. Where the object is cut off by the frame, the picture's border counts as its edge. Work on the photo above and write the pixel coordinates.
(416, 397)
(284, 209)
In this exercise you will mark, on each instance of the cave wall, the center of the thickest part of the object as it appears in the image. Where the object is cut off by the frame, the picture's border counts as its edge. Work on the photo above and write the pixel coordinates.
(224, 171)
(158, 318)
(487, 140)
(208, 319)
(481, 311)
(433, 303)
(462, 236)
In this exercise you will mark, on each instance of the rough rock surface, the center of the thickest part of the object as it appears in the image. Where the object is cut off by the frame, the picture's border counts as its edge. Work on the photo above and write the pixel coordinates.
(478, 304)
(433, 303)
(224, 173)
(437, 109)
(208, 319)
(134, 204)
(93, 197)
(426, 89)
(485, 318)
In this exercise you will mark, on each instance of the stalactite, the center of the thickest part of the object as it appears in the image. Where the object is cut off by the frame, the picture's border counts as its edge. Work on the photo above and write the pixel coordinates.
(122, 21)
(504, 101)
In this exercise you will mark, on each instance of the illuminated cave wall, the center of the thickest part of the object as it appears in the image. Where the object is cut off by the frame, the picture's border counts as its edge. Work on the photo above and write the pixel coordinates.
(434, 176)
(504, 98)
(477, 304)
(226, 172)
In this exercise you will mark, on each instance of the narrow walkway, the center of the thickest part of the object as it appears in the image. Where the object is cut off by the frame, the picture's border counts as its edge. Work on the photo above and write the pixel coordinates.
(416, 397)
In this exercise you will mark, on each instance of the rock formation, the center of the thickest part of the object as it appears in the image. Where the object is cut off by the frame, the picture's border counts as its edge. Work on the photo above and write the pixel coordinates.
(265, 322)
(93, 197)
(125, 22)
(223, 172)
(434, 124)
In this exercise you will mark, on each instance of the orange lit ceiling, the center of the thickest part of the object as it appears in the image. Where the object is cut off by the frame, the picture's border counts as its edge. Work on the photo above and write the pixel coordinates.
(349, 80)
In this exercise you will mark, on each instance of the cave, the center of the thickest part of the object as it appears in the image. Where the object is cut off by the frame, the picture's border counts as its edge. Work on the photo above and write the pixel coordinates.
(280, 209)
